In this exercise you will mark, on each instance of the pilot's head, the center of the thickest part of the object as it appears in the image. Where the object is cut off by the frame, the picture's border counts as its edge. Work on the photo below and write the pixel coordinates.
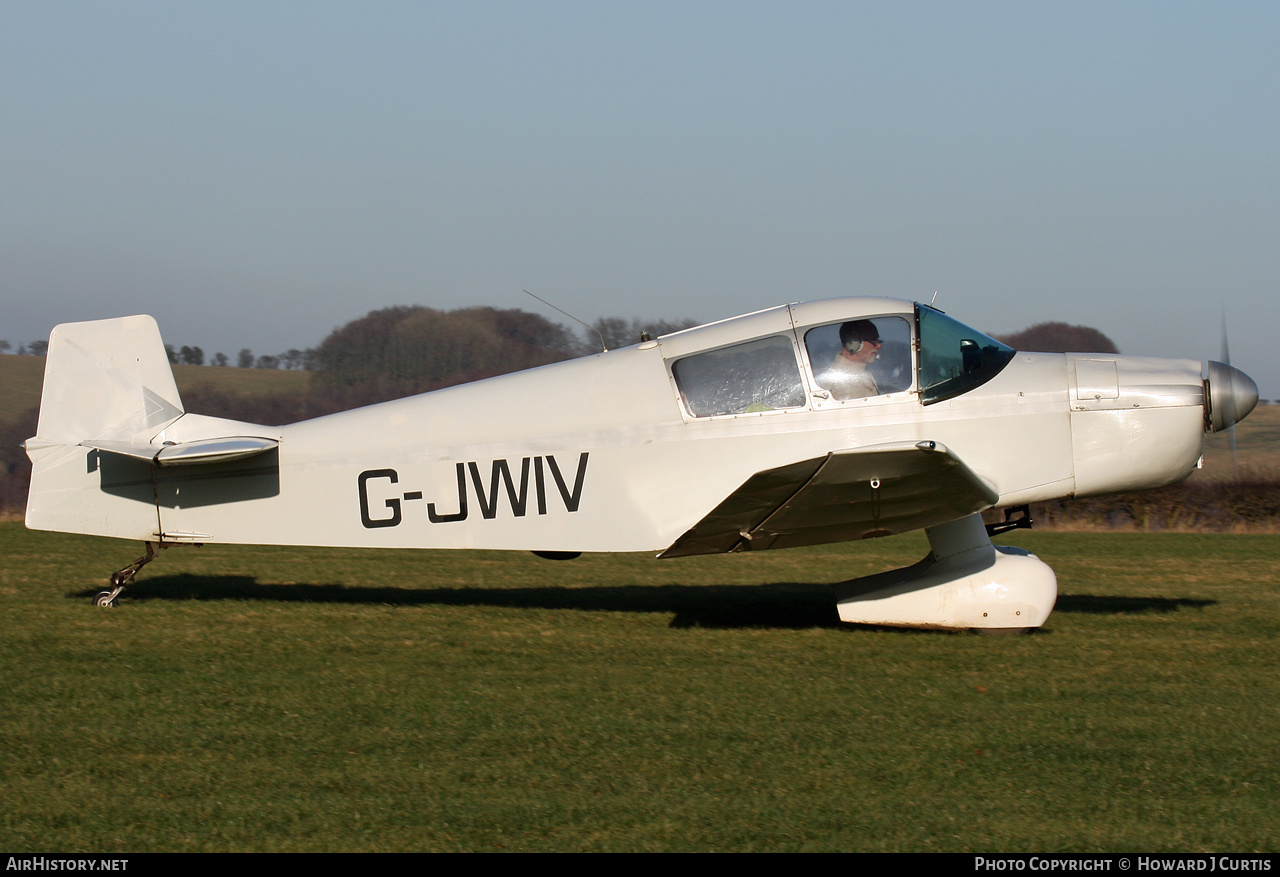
(859, 336)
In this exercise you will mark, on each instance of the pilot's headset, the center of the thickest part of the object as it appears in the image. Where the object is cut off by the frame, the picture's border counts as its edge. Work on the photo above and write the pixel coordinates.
(853, 333)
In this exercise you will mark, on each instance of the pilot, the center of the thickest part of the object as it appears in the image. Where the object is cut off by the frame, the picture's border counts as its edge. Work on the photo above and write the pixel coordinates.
(848, 377)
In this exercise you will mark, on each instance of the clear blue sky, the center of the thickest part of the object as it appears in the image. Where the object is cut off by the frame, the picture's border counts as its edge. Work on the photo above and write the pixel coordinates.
(255, 174)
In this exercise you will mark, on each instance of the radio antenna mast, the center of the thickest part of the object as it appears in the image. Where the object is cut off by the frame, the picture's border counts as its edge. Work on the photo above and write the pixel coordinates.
(603, 349)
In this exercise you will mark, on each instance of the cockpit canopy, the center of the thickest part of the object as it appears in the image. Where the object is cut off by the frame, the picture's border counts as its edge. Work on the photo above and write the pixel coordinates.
(827, 354)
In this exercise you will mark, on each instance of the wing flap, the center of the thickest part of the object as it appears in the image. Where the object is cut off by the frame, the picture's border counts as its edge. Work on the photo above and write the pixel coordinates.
(851, 494)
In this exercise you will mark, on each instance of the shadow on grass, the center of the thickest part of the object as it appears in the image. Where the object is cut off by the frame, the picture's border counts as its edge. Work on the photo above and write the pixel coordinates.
(786, 605)
(782, 605)
(1090, 604)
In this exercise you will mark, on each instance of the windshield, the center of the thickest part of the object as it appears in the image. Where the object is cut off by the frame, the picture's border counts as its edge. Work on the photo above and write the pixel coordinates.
(954, 358)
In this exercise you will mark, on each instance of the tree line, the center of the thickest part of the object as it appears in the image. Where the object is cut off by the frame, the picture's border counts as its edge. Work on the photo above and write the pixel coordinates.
(466, 338)
(290, 359)
(191, 355)
(408, 349)
(35, 348)
(400, 351)
(1048, 337)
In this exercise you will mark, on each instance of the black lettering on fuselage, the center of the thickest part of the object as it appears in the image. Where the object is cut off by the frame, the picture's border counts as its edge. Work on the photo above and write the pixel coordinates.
(488, 496)
(393, 504)
(500, 470)
(540, 485)
(461, 514)
(571, 500)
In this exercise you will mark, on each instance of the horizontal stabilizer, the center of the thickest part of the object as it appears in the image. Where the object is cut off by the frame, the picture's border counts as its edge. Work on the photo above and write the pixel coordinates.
(217, 450)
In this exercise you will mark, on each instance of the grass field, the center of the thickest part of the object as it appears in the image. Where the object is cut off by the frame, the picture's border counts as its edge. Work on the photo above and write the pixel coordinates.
(289, 699)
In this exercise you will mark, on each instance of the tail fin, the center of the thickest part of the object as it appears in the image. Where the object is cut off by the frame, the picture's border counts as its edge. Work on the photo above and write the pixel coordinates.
(104, 381)
(109, 379)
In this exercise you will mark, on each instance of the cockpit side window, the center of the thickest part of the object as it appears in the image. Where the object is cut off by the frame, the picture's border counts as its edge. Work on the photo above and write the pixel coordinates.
(759, 375)
(860, 358)
(955, 358)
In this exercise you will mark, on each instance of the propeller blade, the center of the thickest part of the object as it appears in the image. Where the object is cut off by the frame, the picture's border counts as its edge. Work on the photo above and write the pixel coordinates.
(1226, 359)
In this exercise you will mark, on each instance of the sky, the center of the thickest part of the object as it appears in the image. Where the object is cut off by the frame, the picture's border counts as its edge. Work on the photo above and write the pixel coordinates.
(255, 174)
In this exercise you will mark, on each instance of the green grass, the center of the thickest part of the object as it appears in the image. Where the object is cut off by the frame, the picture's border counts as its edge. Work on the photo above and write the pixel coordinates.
(290, 699)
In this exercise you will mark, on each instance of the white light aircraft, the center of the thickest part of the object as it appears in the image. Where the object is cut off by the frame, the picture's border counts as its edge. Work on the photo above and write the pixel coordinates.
(802, 424)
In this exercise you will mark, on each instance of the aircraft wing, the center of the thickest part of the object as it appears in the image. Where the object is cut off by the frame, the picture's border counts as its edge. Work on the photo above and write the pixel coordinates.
(858, 493)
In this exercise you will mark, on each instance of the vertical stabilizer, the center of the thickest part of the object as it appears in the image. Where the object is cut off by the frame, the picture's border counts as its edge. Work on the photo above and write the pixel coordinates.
(107, 380)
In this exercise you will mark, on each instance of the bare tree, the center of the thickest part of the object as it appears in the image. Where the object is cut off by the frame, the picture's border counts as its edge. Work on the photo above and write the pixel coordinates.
(404, 350)
(618, 332)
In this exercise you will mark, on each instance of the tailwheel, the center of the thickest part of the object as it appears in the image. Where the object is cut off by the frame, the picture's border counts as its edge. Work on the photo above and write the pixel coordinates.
(122, 578)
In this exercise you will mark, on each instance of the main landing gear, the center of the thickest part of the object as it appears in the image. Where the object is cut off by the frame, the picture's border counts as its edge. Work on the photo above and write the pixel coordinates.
(964, 582)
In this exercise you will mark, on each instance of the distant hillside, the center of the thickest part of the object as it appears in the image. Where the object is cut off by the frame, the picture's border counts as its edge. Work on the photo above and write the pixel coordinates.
(20, 381)
(21, 378)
